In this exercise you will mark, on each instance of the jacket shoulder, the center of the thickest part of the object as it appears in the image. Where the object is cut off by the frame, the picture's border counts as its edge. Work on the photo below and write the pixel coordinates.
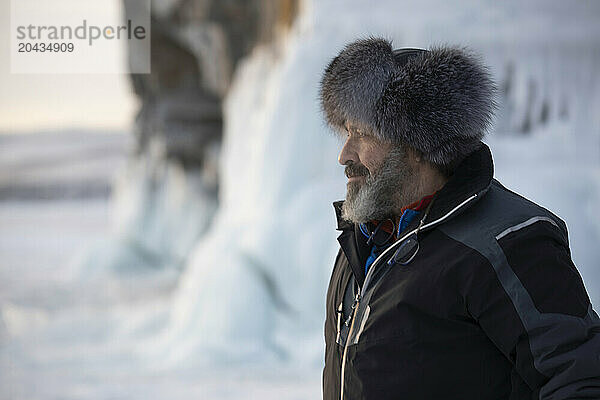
(501, 212)
(534, 288)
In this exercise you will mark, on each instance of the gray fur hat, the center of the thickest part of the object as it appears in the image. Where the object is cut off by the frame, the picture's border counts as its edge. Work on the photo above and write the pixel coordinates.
(439, 101)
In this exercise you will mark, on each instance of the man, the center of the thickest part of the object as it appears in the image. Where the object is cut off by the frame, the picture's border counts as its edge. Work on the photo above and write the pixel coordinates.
(447, 285)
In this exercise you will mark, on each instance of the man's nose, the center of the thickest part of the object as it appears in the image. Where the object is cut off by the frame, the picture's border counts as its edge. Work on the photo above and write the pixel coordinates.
(348, 154)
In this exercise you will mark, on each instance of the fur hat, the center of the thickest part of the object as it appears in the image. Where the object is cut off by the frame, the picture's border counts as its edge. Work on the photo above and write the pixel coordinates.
(439, 101)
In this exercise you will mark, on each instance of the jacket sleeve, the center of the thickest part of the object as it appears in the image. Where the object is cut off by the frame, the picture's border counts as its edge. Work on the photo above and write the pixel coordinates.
(532, 304)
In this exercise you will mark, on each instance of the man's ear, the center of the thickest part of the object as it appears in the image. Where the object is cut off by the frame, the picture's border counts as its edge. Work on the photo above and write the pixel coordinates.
(415, 155)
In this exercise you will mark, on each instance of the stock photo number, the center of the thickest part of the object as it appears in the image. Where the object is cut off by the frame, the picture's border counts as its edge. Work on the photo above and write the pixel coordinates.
(46, 47)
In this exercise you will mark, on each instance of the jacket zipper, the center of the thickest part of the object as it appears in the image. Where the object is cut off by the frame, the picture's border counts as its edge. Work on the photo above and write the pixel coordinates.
(355, 305)
(340, 310)
(369, 274)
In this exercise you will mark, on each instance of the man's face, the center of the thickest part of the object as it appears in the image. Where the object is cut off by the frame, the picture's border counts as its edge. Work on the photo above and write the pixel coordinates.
(362, 154)
(379, 177)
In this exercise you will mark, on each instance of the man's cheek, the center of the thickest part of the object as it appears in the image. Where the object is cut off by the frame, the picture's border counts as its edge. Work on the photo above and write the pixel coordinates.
(354, 186)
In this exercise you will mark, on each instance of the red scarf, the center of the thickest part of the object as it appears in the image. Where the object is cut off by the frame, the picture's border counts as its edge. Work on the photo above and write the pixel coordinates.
(417, 206)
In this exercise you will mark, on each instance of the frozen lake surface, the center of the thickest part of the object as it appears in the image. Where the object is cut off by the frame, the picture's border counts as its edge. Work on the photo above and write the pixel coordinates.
(62, 337)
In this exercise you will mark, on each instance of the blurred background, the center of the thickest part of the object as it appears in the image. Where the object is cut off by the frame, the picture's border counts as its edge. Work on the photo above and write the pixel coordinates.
(171, 235)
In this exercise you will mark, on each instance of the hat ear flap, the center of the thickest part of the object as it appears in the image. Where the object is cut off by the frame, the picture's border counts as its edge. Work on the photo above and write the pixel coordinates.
(440, 102)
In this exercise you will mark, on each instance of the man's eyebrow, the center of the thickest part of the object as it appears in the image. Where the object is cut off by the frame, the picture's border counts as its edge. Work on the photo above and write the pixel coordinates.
(354, 127)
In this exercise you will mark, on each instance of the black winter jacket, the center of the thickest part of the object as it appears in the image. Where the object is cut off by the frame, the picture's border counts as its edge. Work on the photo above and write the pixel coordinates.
(491, 307)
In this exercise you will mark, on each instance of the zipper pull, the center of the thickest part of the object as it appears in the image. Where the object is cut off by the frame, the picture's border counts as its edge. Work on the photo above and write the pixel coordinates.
(339, 312)
(354, 305)
(356, 300)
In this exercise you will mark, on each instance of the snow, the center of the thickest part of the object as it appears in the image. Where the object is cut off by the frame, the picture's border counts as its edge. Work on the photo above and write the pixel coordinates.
(239, 312)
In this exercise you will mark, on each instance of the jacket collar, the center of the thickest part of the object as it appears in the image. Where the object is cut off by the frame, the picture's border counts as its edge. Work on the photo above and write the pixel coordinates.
(474, 175)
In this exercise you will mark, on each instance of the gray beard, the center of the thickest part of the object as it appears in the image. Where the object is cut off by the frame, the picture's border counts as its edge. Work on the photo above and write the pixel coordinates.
(382, 194)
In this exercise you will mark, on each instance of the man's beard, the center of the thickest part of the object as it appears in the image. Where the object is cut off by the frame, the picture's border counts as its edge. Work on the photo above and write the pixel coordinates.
(382, 194)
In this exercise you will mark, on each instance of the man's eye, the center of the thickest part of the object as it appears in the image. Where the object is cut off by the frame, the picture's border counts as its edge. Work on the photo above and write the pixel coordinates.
(353, 132)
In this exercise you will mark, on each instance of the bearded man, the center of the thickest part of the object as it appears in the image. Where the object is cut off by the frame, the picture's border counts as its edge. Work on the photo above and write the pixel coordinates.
(447, 285)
